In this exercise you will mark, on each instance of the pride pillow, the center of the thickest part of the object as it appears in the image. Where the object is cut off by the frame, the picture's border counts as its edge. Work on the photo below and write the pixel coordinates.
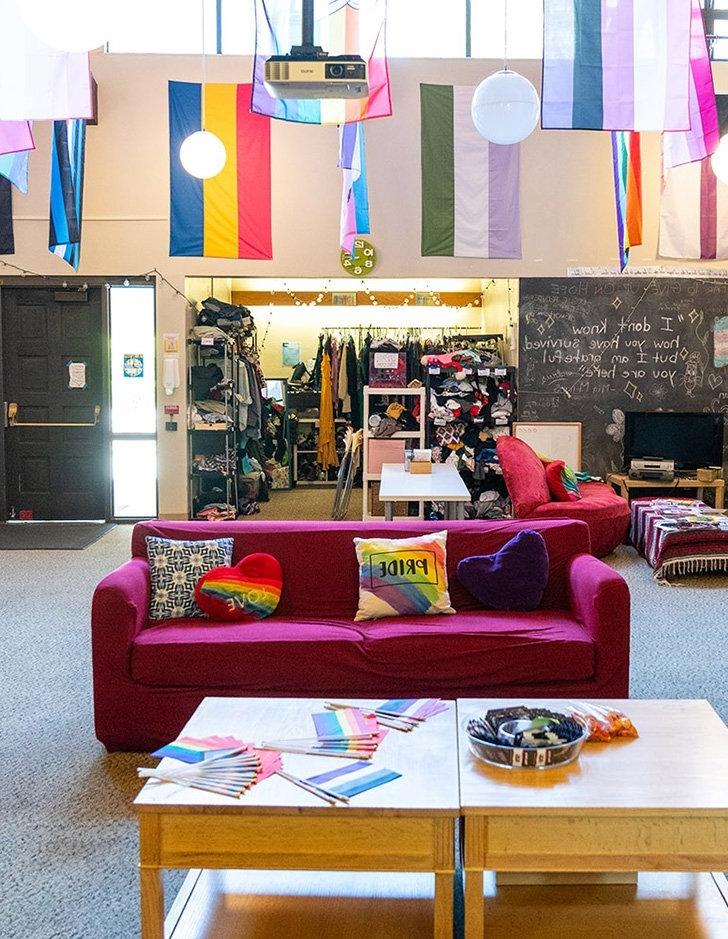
(402, 576)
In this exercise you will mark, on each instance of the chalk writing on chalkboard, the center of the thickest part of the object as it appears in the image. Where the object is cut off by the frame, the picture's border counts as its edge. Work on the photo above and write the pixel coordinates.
(592, 348)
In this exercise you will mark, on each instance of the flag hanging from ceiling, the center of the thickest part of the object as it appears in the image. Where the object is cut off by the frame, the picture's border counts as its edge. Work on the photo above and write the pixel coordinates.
(228, 215)
(626, 156)
(66, 203)
(37, 82)
(15, 137)
(694, 207)
(470, 187)
(702, 138)
(14, 166)
(354, 193)
(616, 65)
(341, 27)
(7, 241)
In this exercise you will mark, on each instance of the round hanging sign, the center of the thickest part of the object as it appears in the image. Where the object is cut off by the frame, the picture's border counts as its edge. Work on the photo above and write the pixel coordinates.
(361, 261)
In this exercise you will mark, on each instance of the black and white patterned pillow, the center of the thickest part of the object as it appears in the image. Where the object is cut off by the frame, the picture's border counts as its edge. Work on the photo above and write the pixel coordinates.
(175, 567)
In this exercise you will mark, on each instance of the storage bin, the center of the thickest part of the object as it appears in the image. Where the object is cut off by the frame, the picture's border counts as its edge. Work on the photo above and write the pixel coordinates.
(384, 450)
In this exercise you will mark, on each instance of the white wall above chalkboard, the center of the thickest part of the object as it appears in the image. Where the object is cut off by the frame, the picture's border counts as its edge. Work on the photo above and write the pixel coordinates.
(559, 440)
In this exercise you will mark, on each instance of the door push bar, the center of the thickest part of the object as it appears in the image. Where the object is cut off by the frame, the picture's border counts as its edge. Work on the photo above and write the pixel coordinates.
(14, 422)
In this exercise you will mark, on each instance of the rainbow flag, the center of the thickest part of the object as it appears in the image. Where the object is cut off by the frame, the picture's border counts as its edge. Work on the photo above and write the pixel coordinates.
(702, 139)
(627, 160)
(342, 27)
(229, 215)
(616, 65)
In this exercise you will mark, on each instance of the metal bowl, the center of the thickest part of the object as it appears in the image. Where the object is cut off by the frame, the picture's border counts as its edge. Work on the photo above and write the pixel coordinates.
(559, 754)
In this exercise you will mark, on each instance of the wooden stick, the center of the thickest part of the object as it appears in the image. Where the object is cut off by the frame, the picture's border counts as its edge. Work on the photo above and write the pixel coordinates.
(343, 754)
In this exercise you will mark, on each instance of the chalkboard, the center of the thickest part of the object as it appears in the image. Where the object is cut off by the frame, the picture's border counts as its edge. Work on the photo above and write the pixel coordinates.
(592, 348)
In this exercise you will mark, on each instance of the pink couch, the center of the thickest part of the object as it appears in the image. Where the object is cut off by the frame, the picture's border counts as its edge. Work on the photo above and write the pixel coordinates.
(149, 677)
(606, 513)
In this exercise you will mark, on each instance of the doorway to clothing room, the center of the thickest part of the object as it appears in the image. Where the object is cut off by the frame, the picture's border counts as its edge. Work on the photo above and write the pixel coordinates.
(78, 378)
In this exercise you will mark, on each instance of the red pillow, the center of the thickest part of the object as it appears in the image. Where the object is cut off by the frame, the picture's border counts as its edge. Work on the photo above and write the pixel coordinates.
(524, 475)
(249, 591)
(562, 483)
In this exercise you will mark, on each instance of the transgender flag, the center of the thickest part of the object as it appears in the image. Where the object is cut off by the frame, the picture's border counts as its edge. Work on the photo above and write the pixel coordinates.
(617, 65)
(470, 187)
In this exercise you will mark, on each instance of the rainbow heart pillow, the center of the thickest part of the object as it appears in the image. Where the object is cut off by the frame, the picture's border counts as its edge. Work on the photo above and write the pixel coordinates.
(249, 591)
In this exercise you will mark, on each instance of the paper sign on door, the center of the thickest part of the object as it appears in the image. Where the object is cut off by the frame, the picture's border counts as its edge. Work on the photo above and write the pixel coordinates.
(76, 374)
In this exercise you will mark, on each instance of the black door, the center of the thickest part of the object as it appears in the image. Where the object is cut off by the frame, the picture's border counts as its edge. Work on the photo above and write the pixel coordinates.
(56, 454)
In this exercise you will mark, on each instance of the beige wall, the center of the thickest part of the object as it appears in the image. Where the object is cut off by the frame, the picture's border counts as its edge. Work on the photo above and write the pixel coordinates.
(567, 215)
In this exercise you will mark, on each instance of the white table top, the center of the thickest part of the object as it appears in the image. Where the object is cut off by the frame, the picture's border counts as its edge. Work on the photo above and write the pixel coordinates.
(444, 484)
(679, 763)
(426, 757)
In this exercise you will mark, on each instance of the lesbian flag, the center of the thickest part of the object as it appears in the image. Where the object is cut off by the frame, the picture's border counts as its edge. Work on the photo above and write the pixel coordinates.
(627, 158)
(341, 27)
(617, 65)
(229, 215)
(354, 192)
(470, 187)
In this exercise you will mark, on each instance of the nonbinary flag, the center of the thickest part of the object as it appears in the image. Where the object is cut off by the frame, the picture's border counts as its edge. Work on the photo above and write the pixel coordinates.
(470, 187)
(616, 65)
(627, 160)
(14, 166)
(702, 138)
(228, 215)
(68, 153)
(354, 192)
(37, 82)
(342, 27)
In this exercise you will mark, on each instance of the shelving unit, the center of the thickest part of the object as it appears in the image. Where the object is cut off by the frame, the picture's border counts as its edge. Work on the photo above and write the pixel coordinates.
(297, 452)
(213, 439)
(416, 438)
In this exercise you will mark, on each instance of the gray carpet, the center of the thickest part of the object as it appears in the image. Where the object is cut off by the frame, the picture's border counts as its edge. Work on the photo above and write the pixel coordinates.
(68, 858)
(51, 536)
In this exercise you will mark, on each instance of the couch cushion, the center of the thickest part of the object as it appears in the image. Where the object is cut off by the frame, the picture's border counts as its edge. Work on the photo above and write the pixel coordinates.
(524, 475)
(447, 655)
(320, 570)
(606, 514)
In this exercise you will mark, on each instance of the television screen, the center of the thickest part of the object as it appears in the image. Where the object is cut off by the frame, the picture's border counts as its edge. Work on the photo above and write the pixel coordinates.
(691, 440)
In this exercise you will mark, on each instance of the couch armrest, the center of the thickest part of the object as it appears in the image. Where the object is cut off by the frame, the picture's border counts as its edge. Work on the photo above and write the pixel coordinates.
(120, 608)
(600, 601)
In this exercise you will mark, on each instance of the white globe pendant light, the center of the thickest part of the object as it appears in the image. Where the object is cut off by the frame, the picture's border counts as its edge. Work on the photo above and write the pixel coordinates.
(505, 107)
(70, 25)
(203, 154)
(719, 160)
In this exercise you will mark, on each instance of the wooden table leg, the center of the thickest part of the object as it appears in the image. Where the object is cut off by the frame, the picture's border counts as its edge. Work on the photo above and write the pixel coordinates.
(719, 493)
(444, 886)
(152, 903)
(474, 904)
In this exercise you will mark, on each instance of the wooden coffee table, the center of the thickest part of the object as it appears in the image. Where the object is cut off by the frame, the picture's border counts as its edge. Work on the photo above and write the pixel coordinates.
(657, 803)
(405, 825)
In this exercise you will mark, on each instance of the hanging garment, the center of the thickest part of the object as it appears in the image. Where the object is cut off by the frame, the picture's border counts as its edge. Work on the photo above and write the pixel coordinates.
(343, 381)
(326, 454)
(355, 392)
(315, 381)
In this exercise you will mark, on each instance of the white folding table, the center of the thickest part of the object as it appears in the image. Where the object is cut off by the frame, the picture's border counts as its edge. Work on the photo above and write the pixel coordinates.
(444, 484)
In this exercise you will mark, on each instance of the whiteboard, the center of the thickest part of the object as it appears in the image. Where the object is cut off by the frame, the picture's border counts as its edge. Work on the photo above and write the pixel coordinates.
(559, 440)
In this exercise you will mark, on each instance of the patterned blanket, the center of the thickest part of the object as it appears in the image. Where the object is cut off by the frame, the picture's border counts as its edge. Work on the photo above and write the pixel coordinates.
(679, 536)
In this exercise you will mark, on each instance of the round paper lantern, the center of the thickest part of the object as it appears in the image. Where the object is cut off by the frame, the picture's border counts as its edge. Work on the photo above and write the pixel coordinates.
(70, 25)
(719, 160)
(203, 154)
(505, 107)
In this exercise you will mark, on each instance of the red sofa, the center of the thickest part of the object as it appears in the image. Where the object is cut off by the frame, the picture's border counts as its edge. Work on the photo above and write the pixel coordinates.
(149, 677)
(606, 513)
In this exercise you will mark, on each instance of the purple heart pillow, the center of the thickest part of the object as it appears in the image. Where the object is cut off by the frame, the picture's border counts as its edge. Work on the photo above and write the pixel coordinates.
(513, 578)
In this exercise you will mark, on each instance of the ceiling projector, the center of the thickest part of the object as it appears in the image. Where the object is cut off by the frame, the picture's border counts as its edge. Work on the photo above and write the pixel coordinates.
(309, 72)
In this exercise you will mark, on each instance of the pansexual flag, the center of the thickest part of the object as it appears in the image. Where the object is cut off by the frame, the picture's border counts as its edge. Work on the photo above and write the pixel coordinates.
(616, 65)
(702, 138)
(354, 192)
(694, 207)
(342, 27)
(470, 187)
(68, 152)
(227, 216)
(627, 161)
